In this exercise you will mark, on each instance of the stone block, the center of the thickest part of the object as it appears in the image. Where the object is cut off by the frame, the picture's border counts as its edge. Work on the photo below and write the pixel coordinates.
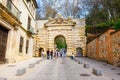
(31, 65)
(86, 65)
(38, 61)
(3, 78)
(75, 60)
(79, 62)
(97, 72)
(20, 71)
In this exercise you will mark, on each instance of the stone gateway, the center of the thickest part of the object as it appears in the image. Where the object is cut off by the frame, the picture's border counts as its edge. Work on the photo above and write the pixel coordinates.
(73, 30)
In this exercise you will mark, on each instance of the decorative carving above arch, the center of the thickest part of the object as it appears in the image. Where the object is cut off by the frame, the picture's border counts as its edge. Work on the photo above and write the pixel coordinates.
(60, 21)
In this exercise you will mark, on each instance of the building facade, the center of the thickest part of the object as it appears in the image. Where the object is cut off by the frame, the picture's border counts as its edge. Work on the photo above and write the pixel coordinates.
(17, 23)
(73, 30)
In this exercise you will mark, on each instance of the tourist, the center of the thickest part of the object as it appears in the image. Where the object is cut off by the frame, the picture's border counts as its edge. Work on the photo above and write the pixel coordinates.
(43, 53)
(48, 54)
(51, 54)
(72, 56)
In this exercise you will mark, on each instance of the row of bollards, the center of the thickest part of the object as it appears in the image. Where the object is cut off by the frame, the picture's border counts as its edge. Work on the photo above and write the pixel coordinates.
(95, 71)
(22, 70)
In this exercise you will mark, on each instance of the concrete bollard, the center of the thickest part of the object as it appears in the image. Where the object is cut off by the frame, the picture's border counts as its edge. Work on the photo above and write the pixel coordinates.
(20, 71)
(3, 78)
(79, 62)
(37, 61)
(97, 72)
(31, 65)
(86, 65)
(75, 60)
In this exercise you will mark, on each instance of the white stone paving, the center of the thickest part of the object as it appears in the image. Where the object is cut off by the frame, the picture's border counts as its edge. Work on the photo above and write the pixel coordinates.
(107, 69)
(61, 69)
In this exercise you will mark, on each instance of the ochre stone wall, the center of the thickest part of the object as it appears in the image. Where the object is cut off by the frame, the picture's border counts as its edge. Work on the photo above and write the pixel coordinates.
(115, 45)
(91, 49)
(105, 47)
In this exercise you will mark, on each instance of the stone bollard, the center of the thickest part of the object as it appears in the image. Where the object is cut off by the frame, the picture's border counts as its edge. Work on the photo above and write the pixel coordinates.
(79, 62)
(97, 72)
(31, 65)
(3, 78)
(86, 65)
(75, 60)
(37, 61)
(21, 71)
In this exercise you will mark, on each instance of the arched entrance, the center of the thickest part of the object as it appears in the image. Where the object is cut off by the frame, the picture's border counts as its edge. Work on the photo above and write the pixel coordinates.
(40, 51)
(79, 52)
(60, 44)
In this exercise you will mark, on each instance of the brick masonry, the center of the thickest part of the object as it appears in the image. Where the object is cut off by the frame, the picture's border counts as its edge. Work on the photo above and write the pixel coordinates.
(105, 47)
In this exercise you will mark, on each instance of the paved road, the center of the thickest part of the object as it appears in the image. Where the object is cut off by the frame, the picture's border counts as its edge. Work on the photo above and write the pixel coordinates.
(59, 69)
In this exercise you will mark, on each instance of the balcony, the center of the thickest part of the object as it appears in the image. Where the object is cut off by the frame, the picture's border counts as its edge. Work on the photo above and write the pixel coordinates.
(13, 9)
(31, 30)
(9, 12)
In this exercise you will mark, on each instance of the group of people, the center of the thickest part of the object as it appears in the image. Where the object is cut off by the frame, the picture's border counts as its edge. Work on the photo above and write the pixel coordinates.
(58, 53)
(50, 54)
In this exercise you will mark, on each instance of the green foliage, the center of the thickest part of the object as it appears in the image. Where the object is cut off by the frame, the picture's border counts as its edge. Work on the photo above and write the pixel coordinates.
(103, 14)
(117, 25)
(99, 27)
(60, 42)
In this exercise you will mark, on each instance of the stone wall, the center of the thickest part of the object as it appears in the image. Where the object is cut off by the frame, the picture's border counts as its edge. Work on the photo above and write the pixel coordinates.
(115, 45)
(105, 47)
(91, 49)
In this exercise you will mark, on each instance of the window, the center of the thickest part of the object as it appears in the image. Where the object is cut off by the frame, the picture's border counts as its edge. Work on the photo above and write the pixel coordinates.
(9, 4)
(27, 44)
(21, 44)
(29, 22)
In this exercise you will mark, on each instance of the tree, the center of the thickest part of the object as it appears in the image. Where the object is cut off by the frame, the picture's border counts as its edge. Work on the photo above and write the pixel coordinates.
(49, 8)
(102, 14)
(60, 42)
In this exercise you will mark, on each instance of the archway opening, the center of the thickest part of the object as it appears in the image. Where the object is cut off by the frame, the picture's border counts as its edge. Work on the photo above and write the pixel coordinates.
(79, 52)
(40, 51)
(60, 44)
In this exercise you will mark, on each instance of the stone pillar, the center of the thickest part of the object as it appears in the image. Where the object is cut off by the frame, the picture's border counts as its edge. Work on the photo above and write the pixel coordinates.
(69, 43)
(10, 45)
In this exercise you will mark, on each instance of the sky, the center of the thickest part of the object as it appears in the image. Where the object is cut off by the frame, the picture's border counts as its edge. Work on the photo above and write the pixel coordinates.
(59, 6)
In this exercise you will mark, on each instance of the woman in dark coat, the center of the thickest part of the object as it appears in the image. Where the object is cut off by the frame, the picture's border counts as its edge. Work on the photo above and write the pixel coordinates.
(51, 54)
(48, 55)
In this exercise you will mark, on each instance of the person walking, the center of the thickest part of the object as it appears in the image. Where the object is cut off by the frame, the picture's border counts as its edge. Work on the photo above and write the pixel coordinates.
(43, 53)
(51, 54)
(72, 56)
(48, 54)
